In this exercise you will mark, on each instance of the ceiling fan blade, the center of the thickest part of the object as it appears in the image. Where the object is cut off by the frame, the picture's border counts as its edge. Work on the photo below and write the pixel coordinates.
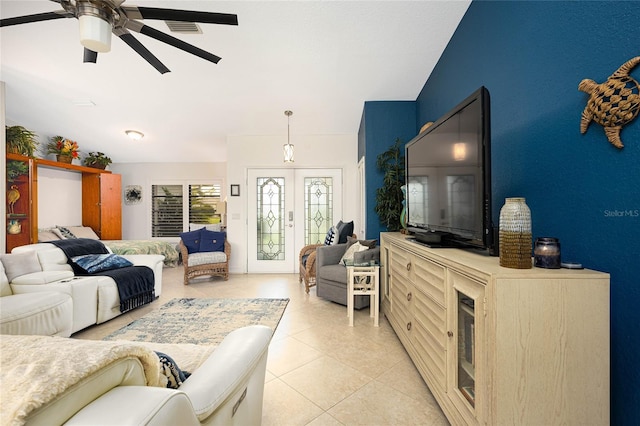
(166, 38)
(137, 12)
(128, 38)
(90, 56)
(38, 17)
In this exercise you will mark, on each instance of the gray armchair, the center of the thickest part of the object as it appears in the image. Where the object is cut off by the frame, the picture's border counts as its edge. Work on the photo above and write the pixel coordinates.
(331, 275)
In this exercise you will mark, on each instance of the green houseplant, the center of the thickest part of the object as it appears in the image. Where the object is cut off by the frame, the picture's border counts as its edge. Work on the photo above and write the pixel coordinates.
(389, 196)
(15, 169)
(97, 160)
(21, 141)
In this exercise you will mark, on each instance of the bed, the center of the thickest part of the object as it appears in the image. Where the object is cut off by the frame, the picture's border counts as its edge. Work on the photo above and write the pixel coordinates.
(168, 250)
(164, 248)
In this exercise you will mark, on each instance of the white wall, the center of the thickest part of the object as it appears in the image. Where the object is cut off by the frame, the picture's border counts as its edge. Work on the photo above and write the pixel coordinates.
(59, 197)
(136, 218)
(314, 151)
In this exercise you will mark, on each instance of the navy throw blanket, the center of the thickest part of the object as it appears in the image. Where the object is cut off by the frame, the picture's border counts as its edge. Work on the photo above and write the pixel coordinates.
(135, 283)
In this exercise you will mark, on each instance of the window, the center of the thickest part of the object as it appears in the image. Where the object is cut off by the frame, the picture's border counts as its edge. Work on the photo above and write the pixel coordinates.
(170, 215)
(203, 201)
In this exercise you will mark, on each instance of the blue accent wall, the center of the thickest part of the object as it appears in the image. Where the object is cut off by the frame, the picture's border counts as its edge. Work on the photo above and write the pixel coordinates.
(531, 56)
(381, 124)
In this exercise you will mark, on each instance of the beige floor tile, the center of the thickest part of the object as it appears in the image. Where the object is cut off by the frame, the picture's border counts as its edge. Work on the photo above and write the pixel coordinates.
(333, 381)
(325, 420)
(377, 404)
(288, 354)
(284, 406)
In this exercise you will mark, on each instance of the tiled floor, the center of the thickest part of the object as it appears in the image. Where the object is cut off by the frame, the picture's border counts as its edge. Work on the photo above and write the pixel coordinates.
(320, 371)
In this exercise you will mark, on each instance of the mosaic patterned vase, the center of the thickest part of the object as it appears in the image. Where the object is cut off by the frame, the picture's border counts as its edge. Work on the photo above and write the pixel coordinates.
(515, 234)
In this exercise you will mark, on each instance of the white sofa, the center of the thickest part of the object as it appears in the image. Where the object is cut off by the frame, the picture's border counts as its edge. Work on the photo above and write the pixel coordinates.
(47, 313)
(226, 389)
(95, 298)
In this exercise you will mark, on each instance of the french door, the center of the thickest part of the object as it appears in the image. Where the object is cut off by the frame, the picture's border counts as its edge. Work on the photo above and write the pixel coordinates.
(287, 209)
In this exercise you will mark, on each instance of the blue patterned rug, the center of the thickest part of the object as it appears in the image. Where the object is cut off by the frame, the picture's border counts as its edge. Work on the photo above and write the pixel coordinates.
(201, 321)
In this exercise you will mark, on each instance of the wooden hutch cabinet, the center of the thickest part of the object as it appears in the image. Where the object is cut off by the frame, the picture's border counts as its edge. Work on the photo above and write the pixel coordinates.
(21, 223)
(500, 346)
(102, 205)
(101, 201)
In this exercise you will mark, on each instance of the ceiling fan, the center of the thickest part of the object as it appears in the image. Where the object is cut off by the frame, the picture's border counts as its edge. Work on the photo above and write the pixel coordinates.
(98, 19)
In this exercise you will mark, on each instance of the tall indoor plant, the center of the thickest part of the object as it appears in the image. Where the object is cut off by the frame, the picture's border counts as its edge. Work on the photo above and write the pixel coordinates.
(389, 196)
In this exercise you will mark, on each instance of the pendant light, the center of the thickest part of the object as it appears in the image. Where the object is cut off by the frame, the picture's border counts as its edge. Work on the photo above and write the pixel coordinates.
(288, 148)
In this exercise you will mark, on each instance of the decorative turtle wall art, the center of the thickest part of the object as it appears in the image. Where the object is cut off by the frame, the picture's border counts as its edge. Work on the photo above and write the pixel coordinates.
(612, 104)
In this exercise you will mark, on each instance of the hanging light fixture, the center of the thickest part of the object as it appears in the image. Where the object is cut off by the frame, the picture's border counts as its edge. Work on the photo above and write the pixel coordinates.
(288, 148)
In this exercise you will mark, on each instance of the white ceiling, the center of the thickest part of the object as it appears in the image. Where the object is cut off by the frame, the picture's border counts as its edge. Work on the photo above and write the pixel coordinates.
(320, 59)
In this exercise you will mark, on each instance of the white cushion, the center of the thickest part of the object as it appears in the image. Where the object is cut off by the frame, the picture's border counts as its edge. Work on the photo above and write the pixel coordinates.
(207, 257)
(47, 313)
(42, 277)
(20, 264)
(352, 250)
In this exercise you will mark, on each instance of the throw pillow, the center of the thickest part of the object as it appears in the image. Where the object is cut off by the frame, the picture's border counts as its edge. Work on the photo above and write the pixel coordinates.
(168, 368)
(211, 241)
(47, 235)
(345, 230)
(66, 233)
(368, 243)
(191, 240)
(351, 251)
(93, 263)
(18, 264)
(83, 232)
(332, 237)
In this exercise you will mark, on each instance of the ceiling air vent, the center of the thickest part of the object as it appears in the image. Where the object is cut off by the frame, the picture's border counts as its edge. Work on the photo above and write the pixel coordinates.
(183, 27)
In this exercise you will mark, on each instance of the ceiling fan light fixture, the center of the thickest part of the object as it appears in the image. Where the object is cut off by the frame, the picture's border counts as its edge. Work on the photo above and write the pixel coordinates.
(134, 134)
(95, 33)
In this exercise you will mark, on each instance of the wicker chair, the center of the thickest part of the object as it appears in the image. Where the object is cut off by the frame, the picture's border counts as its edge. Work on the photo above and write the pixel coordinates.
(307, 259)
(219, 268)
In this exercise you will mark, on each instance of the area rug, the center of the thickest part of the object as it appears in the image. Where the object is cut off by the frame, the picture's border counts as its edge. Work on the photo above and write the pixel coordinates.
(201, 321)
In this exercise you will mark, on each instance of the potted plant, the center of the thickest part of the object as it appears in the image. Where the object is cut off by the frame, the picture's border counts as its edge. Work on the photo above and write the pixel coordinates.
(64, 149)
(97, 160)
(21, 141)
(389, 196)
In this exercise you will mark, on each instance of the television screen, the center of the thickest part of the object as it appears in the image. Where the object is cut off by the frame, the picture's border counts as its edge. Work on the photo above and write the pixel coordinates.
(448, 176)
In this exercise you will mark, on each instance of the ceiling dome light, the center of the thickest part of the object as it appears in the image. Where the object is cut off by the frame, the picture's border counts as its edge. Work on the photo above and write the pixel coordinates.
(134, 134)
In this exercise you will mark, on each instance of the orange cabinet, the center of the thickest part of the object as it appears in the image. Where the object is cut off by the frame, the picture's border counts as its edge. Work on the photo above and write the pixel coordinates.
(102, 204)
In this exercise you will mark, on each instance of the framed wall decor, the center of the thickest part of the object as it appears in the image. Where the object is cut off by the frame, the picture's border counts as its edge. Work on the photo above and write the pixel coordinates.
(132, 194)
(235, 190)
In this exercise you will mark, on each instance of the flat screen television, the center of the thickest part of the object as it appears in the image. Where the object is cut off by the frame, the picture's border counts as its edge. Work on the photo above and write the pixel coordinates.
(448, 177)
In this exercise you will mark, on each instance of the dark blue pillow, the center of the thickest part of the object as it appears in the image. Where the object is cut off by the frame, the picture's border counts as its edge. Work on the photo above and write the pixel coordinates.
(191, 240)
(93, 263)
(344, 230)
(211, 240)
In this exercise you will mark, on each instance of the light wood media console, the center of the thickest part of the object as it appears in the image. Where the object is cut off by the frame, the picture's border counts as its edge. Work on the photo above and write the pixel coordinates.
(500, 346)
